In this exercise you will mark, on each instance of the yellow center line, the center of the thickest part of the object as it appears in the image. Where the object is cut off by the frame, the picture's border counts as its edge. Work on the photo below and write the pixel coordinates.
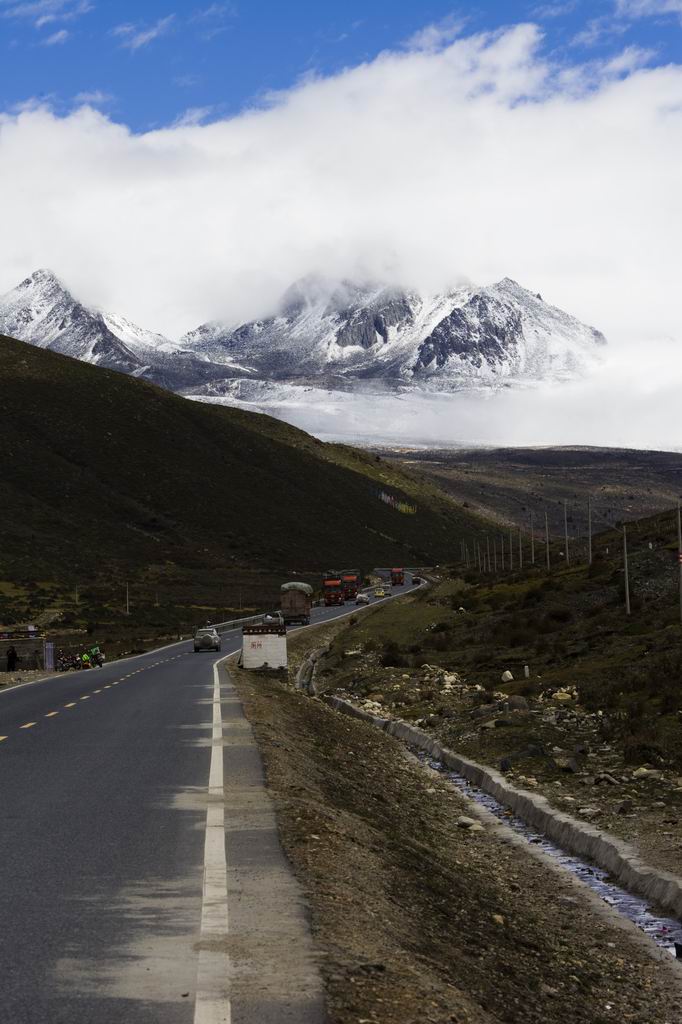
(29, 725)
(70, 705)
(3, 738)
(86, 697)
(51, 714)
(116, 683)
(108, 686)
(96, 691)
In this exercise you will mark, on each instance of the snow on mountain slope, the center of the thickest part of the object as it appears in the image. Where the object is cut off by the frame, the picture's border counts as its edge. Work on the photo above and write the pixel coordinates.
(339, 335)
(345, 333)
(43, 312)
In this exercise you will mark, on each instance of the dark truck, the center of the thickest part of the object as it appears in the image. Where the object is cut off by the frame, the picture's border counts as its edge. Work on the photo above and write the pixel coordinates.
(332, 588)
(296, 600)
(350, 581)
(397, 577)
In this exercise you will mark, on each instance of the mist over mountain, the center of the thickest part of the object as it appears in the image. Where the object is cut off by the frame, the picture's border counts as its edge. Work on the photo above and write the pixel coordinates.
(343, 333)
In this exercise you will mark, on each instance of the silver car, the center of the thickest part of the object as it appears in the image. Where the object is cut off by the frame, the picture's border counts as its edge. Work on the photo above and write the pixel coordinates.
(207, 639)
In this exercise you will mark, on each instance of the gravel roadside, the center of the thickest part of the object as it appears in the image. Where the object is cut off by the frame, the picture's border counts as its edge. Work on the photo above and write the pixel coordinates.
(417, 919)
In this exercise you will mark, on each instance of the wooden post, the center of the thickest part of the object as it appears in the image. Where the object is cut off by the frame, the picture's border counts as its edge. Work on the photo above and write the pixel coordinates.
(679, 551)
(520, 550)
(511, 551)
(532, 541)
(589, 530)
(626, 570)
(495, 553)
(487, 544)
(502, 547)
(566, 555)
(549, 567)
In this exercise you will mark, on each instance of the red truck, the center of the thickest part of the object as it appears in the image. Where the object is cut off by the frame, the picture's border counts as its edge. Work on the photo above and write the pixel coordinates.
(350, 581)
(332, 588)
(397, 577)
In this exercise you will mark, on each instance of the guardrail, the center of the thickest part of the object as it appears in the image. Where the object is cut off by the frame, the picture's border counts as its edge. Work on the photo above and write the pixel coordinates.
(224, 627)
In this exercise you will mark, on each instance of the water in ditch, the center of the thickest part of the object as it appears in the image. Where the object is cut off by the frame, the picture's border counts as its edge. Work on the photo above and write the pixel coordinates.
(665, 931)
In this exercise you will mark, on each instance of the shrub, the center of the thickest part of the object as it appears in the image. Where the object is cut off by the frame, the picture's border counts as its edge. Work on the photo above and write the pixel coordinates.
(392, 656)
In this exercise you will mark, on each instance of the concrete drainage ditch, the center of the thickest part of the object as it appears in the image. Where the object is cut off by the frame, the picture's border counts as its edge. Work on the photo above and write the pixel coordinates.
(607, 865)
(666, 932)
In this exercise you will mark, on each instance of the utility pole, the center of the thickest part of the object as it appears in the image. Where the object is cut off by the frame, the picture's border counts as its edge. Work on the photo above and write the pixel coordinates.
(679, 551)
(549, 567)
(520, 550)
(127, 598)
(487, 544)
(502, 550)
(589, 530)
(532, 541)
(511, 551)
(625, 569)
(495, 554)
(566, 555)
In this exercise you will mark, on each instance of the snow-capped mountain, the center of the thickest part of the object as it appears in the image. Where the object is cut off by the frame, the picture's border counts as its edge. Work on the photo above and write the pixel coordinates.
(337, 336)
(43, 312)
(340, 334)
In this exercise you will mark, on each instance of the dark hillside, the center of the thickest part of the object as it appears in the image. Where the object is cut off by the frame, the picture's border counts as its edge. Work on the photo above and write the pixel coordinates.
(103, 475)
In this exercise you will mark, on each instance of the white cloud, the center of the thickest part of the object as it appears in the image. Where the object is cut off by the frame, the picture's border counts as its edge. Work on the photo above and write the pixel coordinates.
(473, 161)
(134, 37)
(555, 10)
(44, 12)
(615, 408)
(436, 35)
(61, 36)
(645, 8)
(93, 98)
(193, 116)
(598, 29)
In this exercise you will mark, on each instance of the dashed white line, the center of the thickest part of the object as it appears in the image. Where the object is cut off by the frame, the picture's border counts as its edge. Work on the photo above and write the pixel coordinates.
(213, 998)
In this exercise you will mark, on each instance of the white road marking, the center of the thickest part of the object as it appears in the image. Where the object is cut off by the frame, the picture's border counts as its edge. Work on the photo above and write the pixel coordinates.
(213, 998)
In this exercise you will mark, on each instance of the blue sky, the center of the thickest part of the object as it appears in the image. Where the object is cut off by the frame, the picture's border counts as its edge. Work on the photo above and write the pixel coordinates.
(153, 62)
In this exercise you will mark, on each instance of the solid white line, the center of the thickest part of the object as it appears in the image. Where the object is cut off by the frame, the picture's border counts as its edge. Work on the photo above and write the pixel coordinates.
(213, 998)
(212, 1005)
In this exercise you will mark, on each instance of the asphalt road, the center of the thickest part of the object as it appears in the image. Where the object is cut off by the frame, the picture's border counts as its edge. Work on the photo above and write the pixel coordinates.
(104, 777)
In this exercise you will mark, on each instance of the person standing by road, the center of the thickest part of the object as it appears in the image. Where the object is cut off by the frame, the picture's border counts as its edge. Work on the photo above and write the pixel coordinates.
(12, 658)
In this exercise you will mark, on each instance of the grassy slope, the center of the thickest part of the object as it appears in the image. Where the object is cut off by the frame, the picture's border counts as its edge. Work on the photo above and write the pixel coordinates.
(104, 474)
(571, 629)
(507, 483)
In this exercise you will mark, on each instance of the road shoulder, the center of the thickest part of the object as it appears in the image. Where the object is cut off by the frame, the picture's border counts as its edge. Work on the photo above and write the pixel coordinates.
(417, 919)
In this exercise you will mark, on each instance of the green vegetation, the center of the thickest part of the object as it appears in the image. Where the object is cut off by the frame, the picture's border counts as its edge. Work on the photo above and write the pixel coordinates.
(569, 627)
(203, 509)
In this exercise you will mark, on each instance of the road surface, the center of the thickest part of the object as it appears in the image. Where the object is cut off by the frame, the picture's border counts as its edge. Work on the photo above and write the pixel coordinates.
(111, 875)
